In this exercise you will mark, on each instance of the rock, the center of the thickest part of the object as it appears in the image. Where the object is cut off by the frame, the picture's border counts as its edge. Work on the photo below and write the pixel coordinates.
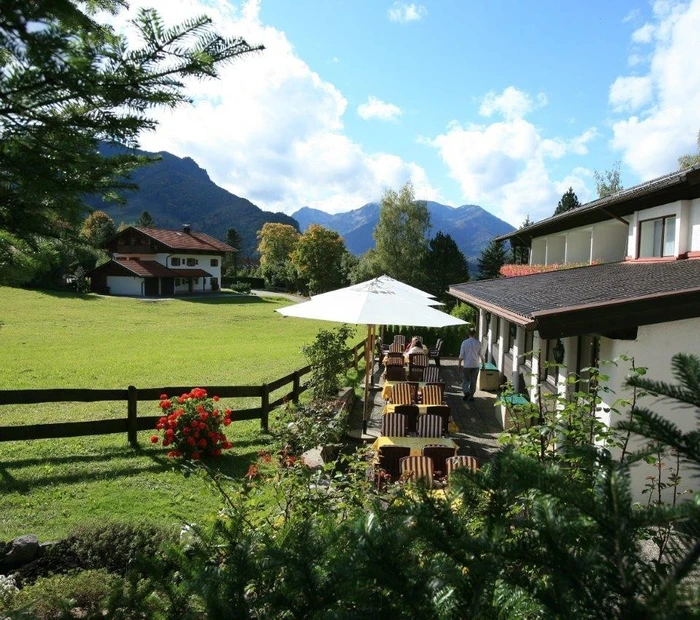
(22, 551)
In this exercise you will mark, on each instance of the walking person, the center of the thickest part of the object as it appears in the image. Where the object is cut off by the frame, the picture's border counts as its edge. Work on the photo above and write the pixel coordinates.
(469, 357)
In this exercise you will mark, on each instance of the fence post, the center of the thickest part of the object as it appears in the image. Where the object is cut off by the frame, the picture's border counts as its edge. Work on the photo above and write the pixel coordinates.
(132, 399)
(354, 356)
(296, 387)
(265, 406)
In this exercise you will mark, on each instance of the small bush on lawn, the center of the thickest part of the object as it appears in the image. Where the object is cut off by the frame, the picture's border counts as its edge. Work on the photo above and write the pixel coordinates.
(85, 592)
(115, 547)
(303, 427)
(241, 287)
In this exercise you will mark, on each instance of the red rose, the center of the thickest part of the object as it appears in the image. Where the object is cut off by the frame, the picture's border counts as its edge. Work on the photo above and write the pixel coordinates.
(154, 438)
(227, 421)
(187, 430)
(166, 442)
(174, 453)
(191, 440)
(164, 397)
(227, 445)
(215, 453)
(170, 432)
(215, 399)
(202, 443)
(195, 456)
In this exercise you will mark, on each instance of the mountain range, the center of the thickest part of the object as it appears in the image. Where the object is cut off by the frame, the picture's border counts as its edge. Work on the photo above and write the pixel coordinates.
(471, 226)
(176, 190)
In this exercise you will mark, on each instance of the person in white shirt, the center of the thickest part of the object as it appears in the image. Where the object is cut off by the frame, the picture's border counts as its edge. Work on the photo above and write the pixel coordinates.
(469, 357)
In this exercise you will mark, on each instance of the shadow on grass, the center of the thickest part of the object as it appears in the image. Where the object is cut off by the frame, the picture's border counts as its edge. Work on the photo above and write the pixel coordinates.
(66, 294)
(232, 465)
(231, 299)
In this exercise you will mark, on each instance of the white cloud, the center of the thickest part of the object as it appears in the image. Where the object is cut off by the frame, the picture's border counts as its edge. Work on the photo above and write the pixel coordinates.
(663, 121)
(511, 103)
(630, 93)
(402, 12)
(271, 129)
(376, 108)
(643, 34)
(504, 165)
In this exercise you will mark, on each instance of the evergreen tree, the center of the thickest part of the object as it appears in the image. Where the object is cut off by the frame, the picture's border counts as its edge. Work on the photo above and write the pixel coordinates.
(68, 82)
(521, 253)
(445, 264)
(492, 258)
(145, 221)
(568, 201)
(230, 262)
(401, 236)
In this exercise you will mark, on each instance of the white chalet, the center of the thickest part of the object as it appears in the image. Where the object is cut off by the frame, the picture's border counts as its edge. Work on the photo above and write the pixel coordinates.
(638, 296)
(152, 262)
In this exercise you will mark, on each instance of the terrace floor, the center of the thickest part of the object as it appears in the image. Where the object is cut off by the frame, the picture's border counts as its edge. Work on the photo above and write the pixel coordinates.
(478, 429)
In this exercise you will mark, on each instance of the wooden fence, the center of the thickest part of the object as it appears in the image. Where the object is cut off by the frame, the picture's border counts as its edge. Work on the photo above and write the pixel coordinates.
(133, 422)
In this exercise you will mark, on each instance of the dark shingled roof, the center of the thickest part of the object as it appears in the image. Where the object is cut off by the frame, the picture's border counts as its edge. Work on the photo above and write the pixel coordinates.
(148, 269)
(583, 290)
(179, 240)
(674, 186)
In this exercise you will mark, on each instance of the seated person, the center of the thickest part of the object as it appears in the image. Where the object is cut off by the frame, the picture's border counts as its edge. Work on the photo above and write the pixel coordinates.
(416, 347)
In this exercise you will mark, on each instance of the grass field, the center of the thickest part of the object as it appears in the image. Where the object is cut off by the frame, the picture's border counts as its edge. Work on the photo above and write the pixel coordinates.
(51, 340)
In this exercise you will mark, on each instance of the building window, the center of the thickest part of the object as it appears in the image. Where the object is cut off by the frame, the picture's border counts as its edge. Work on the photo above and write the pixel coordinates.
(551, 372)
(191, 262)
(196, 280)
(497, 331)
(512, 333)
(175, 261)
(528, 346)
(657, 237)
(214, 262)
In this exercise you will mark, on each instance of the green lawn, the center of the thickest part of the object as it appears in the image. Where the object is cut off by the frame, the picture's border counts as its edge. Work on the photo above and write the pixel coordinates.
(51, 340)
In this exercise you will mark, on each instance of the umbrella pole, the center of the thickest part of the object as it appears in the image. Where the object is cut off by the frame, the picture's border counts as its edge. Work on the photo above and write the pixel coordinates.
(369, 367)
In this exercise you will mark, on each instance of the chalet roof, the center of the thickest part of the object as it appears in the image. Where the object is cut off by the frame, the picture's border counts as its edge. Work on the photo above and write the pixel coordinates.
(591, 299)
(679, 185)
(180, 240)
(147, 269)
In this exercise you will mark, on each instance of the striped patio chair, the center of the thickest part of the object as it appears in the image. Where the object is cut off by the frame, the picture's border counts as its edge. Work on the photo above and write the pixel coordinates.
(431, 374)
(455, 462)
(442, 412)
(417, 468)
(433, 393)
(394, 425)
(395, 373)
(429, 426)
(395, 348)
(416, 365)
(439, 455)
(411, 412)
(389, 457)
(402, 394)
(400, 340)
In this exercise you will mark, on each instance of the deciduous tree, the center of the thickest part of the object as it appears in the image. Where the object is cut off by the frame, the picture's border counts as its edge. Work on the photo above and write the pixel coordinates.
(568, 201)
(276, 244)
(691, 159)
(401, 235)
(98, 228)
(318, 258)
(608, 182)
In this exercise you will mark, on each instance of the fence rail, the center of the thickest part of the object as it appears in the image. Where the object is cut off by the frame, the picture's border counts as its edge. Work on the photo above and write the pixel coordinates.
(133, 423)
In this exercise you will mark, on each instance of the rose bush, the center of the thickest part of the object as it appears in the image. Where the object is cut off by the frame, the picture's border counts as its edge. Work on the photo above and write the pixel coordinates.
(192, 425)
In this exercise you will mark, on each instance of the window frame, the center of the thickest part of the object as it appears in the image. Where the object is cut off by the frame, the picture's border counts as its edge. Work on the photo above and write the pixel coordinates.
(528, 350)
(192, 262)
(175, 261)
(214, 262)
(663, 219)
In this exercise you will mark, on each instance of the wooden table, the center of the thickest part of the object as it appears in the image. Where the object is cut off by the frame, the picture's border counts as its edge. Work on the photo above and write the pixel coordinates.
(388, 385)
(414, 443)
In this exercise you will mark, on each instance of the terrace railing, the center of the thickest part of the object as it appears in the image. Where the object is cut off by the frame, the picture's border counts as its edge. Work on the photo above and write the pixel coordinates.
(133, 423)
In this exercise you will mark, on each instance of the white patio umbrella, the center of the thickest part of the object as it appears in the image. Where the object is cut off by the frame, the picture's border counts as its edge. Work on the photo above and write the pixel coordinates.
(372, 303)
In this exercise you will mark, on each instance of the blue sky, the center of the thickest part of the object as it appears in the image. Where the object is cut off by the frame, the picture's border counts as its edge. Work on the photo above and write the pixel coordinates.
(504, 104)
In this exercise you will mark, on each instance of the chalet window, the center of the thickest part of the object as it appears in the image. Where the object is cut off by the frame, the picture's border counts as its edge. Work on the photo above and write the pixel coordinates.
(497, 331)
(214, 262)
(512, 333)
(175, 261)
(196, 280)
(657, 237)
(191, 262)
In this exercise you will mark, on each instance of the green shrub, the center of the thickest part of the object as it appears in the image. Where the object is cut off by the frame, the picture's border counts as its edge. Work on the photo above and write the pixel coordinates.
(303, 427)
(56, 596)
(115, 547)
(241, 287)
(328, 356)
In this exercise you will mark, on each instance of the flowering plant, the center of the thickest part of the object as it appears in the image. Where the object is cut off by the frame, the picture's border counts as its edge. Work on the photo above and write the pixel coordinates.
(191, 425)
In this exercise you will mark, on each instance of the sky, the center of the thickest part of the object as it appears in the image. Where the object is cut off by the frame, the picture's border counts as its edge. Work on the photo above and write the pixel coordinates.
(504, 104)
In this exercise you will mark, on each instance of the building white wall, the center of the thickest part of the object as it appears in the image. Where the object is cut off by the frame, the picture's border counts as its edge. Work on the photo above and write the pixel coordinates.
(538, 251)
(578, 246)
(693, 233)
(608, 241)
(125, 285)
(556, 246)
(654, 347)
